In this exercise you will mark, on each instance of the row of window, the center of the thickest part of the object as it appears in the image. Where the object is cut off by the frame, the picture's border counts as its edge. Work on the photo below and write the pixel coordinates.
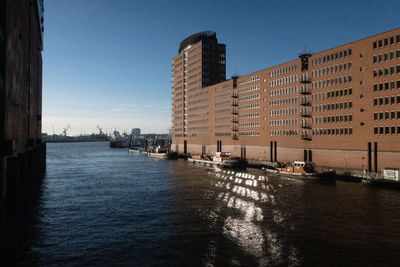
(332, 106)
(223, 87)
(221, 126)
(386, 56)
(385, 42)
(249, 115)
(333, 119)
(284, 122)
(250, 79)
(198, 107)
(250, 133)
(332, 82)
(285, 80)
(284, 101)
(223, 134)
(331, 57)
(249, 97)
(249, 88)
(223, 95)
(283, 70)
(283, 112)
(284, 132)
(197, 128)
(224, 110)
(194, 102)
(251, 124)
(332, 94)
(223, 118)
(332, 69)
(387, 115)
(386, 130)
(332, 131)
(250, 106)
(222, 103)
(385, 86)
(387, 100)
(283, 91)
(386, 71)
(198, 121)
(199, 114)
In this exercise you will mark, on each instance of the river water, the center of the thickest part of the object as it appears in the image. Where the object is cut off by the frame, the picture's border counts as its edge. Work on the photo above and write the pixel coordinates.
(102, 206)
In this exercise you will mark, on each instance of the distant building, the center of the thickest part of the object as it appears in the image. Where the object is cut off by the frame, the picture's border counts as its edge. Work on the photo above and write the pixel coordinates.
(339, 107)
(135, 132)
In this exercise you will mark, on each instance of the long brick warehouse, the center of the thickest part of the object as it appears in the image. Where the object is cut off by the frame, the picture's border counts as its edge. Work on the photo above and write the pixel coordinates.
(338, 108)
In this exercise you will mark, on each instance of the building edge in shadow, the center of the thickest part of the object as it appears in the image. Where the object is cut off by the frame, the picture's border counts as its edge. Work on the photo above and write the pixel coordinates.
(22, 152)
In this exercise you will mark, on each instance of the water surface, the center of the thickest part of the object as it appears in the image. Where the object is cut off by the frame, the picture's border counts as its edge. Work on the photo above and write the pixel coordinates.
(107, 206)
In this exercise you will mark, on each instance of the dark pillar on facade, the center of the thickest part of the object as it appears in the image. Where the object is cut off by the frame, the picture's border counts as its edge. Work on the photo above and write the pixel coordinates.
(305, 155)
(275, 152)
(271, 155)
(185, 147)
(376, 156)
(369, 157)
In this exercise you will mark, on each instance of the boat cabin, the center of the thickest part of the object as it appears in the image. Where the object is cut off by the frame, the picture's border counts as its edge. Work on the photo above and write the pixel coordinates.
(221, 156)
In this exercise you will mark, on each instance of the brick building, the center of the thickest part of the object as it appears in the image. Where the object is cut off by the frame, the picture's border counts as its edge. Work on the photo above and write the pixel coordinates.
(339, 108)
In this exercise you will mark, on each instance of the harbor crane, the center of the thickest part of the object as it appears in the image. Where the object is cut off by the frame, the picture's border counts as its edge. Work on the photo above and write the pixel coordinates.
(65, 130)
(100, 129)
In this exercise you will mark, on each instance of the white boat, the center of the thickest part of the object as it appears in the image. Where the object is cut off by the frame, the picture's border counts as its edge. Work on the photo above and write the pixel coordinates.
(136, 150)
(222, 159)
(158, 155)
(158, 152)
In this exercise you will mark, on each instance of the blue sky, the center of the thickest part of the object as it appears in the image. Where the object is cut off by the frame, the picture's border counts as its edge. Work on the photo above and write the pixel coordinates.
(108, 62)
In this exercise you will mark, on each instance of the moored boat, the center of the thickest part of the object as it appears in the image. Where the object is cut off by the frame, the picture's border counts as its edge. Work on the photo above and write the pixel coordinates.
(297, 168)
(222, 159)
(157, 155)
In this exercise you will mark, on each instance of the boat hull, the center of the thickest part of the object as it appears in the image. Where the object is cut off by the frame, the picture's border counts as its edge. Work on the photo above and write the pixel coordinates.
(158, 155)
(226, 163)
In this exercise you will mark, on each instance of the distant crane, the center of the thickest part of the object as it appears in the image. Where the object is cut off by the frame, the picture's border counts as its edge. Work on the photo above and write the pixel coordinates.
(100, 129)
(65, 130)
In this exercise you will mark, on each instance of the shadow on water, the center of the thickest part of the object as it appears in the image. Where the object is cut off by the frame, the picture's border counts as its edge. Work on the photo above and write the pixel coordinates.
(17, 230)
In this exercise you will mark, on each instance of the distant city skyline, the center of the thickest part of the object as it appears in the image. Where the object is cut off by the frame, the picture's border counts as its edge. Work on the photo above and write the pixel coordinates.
(109, 63)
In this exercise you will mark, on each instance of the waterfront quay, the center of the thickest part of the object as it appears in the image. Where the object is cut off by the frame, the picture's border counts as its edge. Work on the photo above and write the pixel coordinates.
(169, 212)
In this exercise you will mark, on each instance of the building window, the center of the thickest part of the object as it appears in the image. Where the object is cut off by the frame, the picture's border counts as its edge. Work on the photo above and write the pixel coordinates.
(375, 130)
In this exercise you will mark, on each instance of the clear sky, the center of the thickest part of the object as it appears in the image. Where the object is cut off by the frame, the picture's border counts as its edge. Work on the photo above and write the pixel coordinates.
(108, 62)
